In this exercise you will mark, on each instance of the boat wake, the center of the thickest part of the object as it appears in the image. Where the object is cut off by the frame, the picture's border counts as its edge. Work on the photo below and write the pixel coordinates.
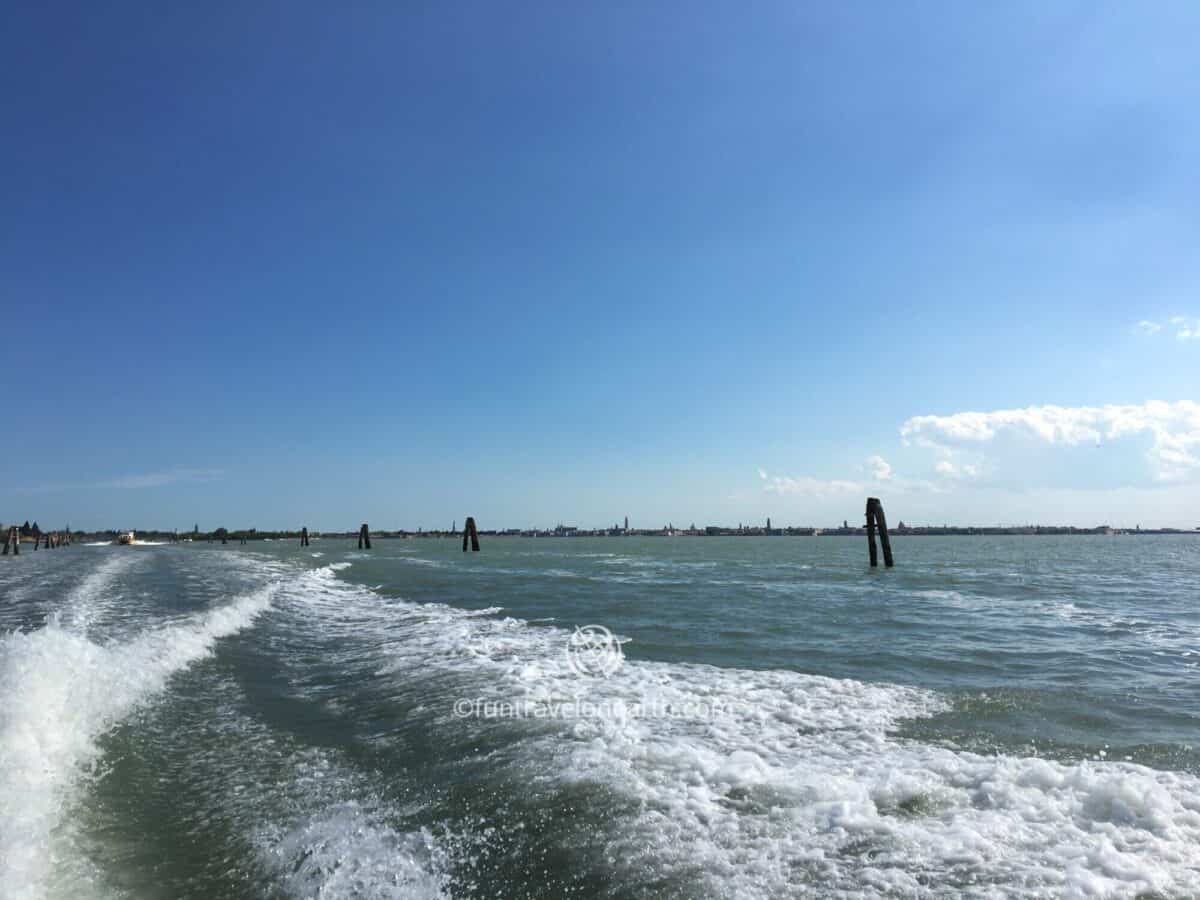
(759, 783)
(59, 693)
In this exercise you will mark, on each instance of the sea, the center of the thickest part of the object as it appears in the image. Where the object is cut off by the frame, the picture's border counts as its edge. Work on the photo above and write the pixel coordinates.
(626, 717)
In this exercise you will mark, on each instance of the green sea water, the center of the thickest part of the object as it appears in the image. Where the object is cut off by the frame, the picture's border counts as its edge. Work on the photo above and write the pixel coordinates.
(995, 717)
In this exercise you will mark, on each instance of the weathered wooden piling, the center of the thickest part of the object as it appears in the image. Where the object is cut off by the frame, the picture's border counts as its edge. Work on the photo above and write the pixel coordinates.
(37, 539)
(13, 540)
(470, 533)
(871, 532)
(304, 537)
(876, 519)
(884, 541)
(364, 537)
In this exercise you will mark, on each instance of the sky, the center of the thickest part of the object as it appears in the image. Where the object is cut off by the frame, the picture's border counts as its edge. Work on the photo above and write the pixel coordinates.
(280, 264)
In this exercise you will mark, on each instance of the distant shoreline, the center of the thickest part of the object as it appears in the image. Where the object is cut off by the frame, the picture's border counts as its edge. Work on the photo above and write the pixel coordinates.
(236, 537)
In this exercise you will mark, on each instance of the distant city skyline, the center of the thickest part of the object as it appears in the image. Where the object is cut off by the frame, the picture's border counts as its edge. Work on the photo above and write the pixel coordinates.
(274, 266)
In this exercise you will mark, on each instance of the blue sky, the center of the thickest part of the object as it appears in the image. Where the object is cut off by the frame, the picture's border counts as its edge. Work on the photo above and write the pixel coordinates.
(273, 264)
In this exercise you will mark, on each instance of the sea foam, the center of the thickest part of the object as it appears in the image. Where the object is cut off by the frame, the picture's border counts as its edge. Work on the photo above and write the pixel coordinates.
(782, 782)
(59, 692)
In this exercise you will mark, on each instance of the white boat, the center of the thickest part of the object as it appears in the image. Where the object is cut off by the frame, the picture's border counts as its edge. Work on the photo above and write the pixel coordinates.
(125, 538)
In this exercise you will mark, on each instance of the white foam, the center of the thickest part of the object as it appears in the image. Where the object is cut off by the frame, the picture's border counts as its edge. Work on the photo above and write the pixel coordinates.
(59, 692)
(797, 781)
(135, 543)
(420, 561)
(315, 821)
(88, 599)
(346, 851)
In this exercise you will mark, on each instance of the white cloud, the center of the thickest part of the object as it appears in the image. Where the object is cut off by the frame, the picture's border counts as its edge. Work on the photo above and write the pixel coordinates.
(957, 471)
(879, 468)
(807, 487)
(159, 479)
(1186, 328)
(1173, 429)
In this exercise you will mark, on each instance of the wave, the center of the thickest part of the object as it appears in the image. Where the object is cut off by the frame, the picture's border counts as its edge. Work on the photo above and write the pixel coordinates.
(316, 825)
(94, 593)
(60, 692)
(773, 780)
(729, 782)
(345, 850)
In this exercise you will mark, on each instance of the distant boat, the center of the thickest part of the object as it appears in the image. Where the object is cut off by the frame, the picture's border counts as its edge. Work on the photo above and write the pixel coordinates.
(125, 538)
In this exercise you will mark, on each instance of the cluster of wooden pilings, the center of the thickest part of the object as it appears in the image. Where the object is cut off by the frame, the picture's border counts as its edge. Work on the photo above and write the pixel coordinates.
(50, 540)
(470, 536)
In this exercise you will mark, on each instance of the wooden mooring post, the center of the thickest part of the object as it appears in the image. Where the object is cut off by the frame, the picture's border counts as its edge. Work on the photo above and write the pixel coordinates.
(875, 518)
(304, 537)
(470, 533)
(13, 540)
(364, 537)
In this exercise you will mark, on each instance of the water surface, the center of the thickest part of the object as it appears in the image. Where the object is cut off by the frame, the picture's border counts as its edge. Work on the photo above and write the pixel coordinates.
(996, 717)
